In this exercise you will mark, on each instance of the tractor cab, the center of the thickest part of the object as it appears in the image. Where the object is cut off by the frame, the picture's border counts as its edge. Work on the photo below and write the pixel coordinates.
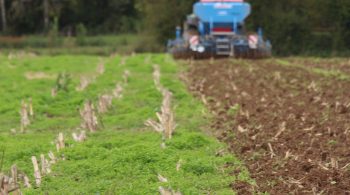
(216, 28)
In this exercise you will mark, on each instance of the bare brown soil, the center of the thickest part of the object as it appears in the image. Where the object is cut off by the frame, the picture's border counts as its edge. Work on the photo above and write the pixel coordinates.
(290, 126)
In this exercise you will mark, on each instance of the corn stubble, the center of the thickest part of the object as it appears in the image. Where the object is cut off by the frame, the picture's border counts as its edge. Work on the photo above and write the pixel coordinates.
(26, 112)
(166, 124)
(12, 183)
(100, 69)
(89, 122)
(88, 116)
(44, 169)
(156, 77)
(165, 191)
(118, 90)
(60, 142)
(84, 83)
(81, 137)
(126, 76)
(104, 103)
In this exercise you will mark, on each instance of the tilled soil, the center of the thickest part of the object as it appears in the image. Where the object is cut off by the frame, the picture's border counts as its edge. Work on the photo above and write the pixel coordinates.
(290, 126)
(340, 65)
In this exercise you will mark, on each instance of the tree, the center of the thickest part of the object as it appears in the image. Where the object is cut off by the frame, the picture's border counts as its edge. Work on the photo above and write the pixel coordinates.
(46, 14)
(162, 16)
(3, 15)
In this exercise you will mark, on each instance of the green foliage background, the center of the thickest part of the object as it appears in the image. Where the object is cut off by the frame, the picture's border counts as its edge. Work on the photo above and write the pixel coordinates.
(294, 26)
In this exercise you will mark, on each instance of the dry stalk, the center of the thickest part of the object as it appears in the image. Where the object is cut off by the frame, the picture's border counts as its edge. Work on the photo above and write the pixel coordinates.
(14, 173)
(346, 166)
(26, 181)
(314, 191)
(104, 103)
(89, 119)
(282, 128)
(202, 85)
(204, 100)
(21, 54)
(296, 182)
(156, 77)
(52, 157)
(54, 92)
(4, 184)
(167, 116)
(79, 137)
(244, 113)
(178, 165)
(288, 155)
(10, 184)
(155, 125)
(164, 191)
(11, 56)
(14, 185)
(147, 59)
(31, 110)
(334, 163)
(271, 150)
(123, 61)
(84, 83)
(241, 129)
(100, 68)
(24, 117)
(233, 86)
(126, 76)
(277, 75)
(60, 142)
(162, 179)
(37, 174)
(117, 92)
(13, 131)
(38, 75)
(166, 123)
(323, 167)
(313, 86)
(45, 165)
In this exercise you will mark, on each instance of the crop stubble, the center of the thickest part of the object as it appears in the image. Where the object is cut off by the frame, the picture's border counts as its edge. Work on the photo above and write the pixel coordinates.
(292, 127)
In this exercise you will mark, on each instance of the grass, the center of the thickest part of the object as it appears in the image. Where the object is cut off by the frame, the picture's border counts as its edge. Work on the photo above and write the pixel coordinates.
(321, 71)
(124, 156)
(91, 45)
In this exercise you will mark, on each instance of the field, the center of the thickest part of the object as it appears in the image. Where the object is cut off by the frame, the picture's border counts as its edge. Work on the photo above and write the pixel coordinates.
(102, 45)
(123, 156)
(287, 119)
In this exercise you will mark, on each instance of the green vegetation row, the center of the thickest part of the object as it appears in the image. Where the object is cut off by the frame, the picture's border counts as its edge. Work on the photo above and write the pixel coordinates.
(124, 156)
(87, 45)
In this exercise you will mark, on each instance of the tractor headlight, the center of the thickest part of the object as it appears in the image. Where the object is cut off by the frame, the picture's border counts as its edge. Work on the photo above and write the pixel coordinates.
(200, 49)
(193, 48)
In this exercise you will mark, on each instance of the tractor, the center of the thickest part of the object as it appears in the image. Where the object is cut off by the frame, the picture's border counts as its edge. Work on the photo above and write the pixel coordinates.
(216, 29)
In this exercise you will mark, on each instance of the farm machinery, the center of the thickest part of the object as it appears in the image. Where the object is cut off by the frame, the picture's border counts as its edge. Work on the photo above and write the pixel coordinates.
(216, 29)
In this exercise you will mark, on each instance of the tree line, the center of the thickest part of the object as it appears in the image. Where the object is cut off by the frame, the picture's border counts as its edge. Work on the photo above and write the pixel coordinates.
(38, 16)
(293, 26)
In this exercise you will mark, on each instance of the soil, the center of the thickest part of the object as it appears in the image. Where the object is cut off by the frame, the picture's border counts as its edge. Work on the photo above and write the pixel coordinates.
(341, 65)
(291, 127)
